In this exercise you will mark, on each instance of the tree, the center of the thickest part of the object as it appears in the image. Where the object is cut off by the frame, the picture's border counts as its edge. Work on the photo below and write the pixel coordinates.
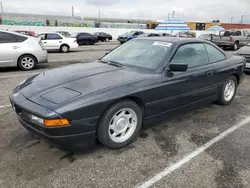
(216, 21)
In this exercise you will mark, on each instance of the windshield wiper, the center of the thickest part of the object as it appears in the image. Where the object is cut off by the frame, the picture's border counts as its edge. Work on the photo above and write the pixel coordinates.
(109, 62)
(103, 61)
(115, 63)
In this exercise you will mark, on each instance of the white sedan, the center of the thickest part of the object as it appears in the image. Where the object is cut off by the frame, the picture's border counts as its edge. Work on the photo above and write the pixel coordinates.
(56, 41)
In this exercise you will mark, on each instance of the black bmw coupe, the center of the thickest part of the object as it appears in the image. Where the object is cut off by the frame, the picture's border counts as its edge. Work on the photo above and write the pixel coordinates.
(111, 98)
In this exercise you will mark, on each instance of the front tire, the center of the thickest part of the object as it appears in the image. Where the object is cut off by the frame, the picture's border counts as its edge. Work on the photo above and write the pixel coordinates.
(228, 91)
(107, 40)
(120, 124)
(27, 62)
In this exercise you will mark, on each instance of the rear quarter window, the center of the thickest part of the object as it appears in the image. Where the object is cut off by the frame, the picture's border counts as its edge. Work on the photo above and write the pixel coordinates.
(214, 54)
(20, 38)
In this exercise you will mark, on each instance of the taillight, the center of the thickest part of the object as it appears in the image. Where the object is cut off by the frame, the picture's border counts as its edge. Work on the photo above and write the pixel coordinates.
(75, 41)
(231, 38)
(41, 44)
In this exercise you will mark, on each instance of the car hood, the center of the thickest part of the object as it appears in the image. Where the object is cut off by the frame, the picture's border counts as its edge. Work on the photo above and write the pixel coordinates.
(245, 50)
(63, 84)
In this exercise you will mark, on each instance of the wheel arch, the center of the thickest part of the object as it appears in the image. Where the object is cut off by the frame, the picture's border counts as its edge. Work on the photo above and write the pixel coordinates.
(64, 44)
(18, 59)
(237, 76)
(134, 99)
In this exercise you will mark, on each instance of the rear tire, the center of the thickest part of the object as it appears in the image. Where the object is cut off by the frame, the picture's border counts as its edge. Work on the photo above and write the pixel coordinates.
(64, 48)
(27, 62)
(228, 91)
(120, 124)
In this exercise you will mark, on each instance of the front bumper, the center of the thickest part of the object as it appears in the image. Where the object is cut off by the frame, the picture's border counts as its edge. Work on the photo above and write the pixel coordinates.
(247, 68)
(74, 142)
(79, 135)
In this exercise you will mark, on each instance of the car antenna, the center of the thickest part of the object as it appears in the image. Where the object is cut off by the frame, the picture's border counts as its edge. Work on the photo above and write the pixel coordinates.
(8, 28)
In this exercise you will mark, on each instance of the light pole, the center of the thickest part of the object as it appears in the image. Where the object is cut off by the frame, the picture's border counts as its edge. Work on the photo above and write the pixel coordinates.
(1, 5)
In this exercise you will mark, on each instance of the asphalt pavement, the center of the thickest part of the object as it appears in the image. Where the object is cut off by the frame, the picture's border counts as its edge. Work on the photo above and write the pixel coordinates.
(168, 154)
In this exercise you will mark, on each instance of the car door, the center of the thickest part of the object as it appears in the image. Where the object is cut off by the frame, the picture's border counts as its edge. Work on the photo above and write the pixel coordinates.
(10, 49)
(52, 41)
(219, 61)
(83, 38)
(246, 37)
(196, 85)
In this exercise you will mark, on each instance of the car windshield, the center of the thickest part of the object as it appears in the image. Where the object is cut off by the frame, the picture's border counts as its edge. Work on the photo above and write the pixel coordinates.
(74, 34)
(66, 34)
(146, 54)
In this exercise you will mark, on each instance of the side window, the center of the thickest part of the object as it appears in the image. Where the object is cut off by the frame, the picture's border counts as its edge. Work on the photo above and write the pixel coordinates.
(20, 38)
(53, 36)
(214, 54)
(245, 33)
(42, 36)
(7, 38)
(237, 33)
(194, 55)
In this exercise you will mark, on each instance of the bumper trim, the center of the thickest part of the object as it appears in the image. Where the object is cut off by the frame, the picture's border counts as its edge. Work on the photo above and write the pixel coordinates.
(73, 142)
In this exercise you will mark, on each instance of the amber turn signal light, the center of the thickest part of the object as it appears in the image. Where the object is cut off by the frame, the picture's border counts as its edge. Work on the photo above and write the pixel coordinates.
(56, 122)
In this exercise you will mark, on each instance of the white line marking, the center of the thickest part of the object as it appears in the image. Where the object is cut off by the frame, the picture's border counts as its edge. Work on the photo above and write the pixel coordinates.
(198, 151)
(4, 106)
(17, 75)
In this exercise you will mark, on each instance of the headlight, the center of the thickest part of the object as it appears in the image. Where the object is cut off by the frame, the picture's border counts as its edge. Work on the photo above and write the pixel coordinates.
(36, 119)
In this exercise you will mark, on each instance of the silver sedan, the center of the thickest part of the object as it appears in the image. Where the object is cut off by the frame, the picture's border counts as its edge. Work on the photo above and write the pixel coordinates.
(17, 50)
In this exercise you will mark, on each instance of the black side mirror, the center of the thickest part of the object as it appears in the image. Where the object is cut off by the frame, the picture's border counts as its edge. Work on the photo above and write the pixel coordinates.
(178, 67)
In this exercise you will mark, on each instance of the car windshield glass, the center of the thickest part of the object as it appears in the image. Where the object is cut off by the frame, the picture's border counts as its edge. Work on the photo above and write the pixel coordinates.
(146, 54)
(74, 34)
(65, 34)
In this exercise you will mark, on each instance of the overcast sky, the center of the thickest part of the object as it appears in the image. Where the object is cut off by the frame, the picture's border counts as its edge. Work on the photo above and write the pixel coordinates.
(188, 10)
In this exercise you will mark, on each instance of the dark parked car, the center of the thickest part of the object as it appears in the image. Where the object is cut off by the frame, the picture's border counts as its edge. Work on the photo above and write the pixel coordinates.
(85, 38)
(135, 84)
(101, 36)
(245, 52)
(150, 35)
(64, 33)
(128, 36)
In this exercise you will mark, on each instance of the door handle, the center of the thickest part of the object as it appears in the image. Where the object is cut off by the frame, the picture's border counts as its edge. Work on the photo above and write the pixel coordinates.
(45, 42)
(15, 47)
(60, 41)
(209, 73)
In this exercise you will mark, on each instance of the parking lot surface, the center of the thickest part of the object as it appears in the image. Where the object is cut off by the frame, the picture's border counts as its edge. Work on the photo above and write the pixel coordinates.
(28, 161)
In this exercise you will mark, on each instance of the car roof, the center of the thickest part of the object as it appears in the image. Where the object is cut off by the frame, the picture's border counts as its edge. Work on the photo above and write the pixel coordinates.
(174, 40)
(16, 33)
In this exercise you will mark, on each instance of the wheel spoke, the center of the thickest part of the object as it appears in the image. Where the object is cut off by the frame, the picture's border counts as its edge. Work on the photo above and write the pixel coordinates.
(123, 133)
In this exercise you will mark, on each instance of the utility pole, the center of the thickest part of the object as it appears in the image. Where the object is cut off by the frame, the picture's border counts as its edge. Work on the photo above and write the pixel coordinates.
(99, 13)
(242, 17)
(168, 16)
(173, 14)
(73, 13)
(1, 5)
(231, 18)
